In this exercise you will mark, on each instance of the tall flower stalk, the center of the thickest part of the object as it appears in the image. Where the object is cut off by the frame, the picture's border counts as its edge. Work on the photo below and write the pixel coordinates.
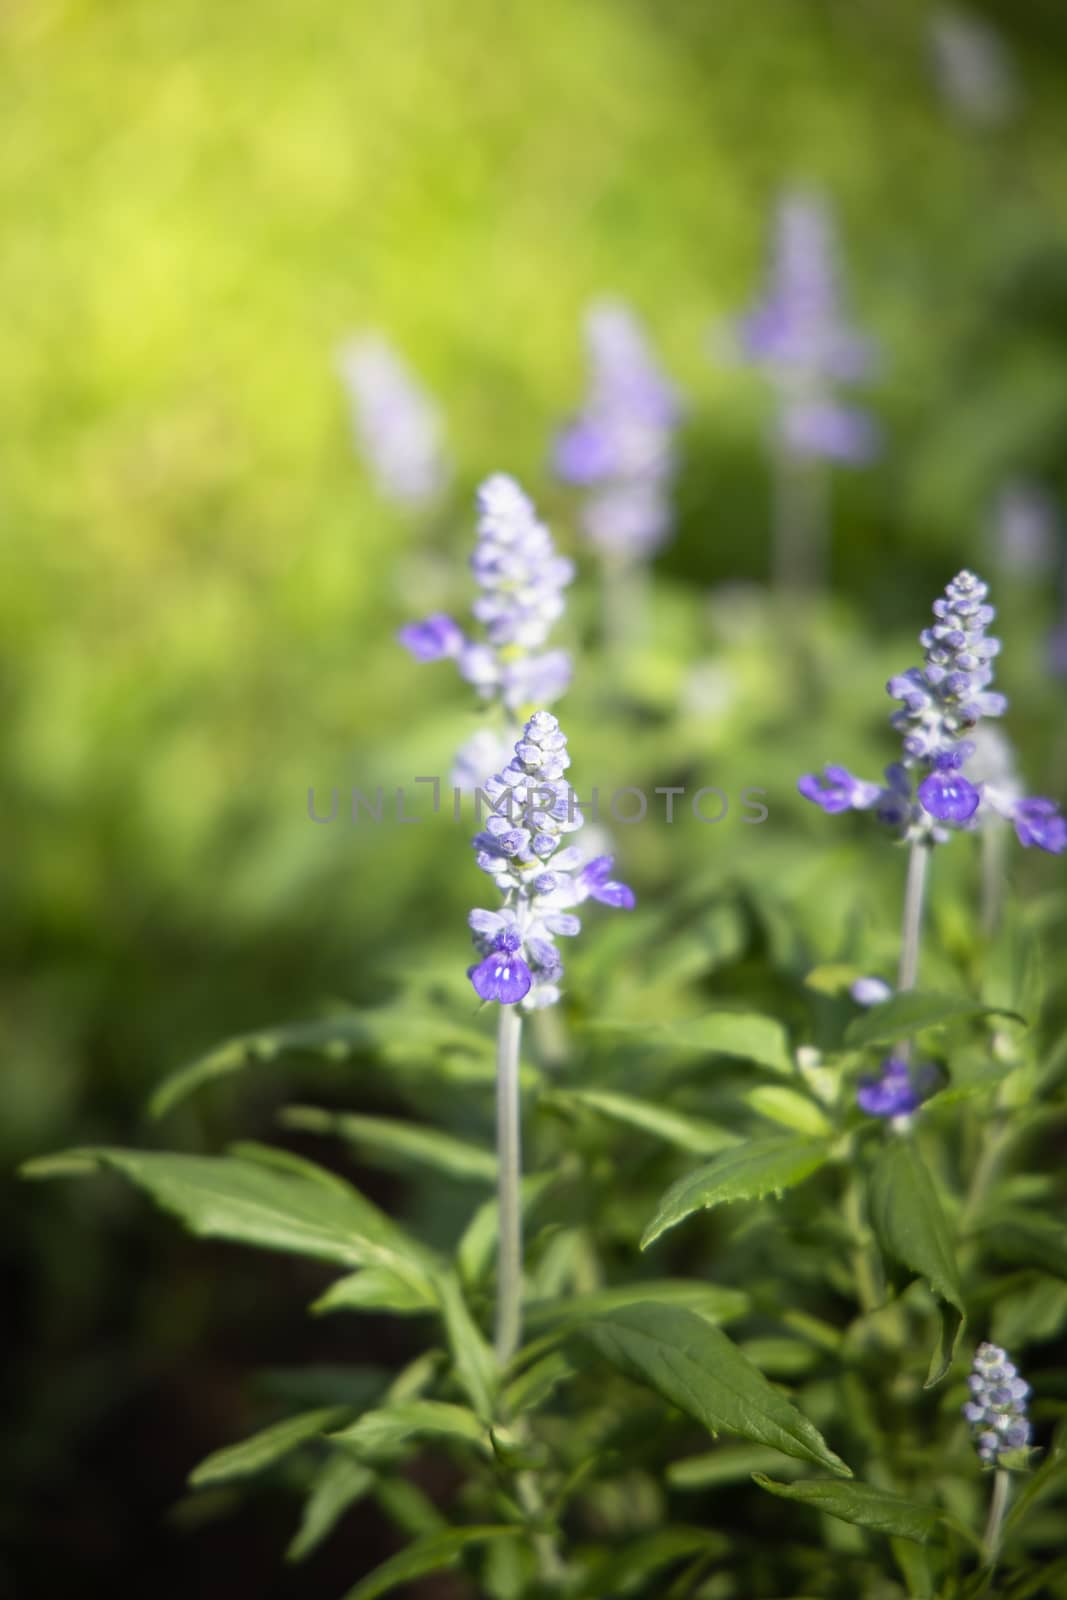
(521, 579)
(799, 336)
(541, 880)
(396, 426)
(620, 451)
(926, 795)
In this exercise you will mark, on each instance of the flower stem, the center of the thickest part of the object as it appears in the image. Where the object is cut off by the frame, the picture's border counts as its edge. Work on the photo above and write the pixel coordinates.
(911, 930)
(998, 1505)
(509, 1164)
(993, 842)
(800, 533)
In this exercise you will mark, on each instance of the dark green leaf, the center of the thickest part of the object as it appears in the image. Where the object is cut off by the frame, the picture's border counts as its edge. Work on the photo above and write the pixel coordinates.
(748, 1036)
(385, 1136)
(679, 1128)
(471, 1356)
(695, 1367)
(263, 1449)
(628, 1569)
(747, 1172)
(224, 1197)
(393, 1426)
(426, 1555)
(909, 1013)
(716, 1302)
(911, 1228)
(860, 1504)
(375, 1289)
(1022, 1238)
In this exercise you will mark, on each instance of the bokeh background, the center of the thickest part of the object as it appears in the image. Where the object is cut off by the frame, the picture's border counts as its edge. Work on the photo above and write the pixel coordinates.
(201, 586)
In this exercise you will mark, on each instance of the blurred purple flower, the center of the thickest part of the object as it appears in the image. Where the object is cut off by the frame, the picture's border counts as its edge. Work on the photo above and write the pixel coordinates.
(891, 1094)
(397, 427)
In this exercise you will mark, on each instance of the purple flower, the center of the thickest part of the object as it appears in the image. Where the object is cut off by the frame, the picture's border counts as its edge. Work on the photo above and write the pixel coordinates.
(595, 882)
(620, 447)
(503, 975)
(830, 432)
(520, 579)
(521, 848)
(948, 796)
(996, 1410)
(432, 639)
(870, 991)
(891, 1094)
(840, 791)
(1038, 822)
(397, 427)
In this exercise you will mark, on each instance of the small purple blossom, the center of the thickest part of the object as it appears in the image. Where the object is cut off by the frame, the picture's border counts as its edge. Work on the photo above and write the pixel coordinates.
(838, 790)
(871, 991)
(432, 639)
(620, 447)
(1038, 822)
(397, 427)
(947, 795)
(892, 1093)
(996, 1410)
(533, 809)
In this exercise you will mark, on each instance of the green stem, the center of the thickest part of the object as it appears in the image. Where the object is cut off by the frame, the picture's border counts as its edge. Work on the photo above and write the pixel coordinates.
(509, 1165)
(911, 930)
(998, 1505)
(800, 534)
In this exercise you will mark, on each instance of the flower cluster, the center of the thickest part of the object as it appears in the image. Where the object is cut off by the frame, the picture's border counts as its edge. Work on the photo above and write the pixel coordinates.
(521, 580)
(927, 792)
(397, 427)
(798, 333)
(996, 1410)
(520, 849)
(620, 447)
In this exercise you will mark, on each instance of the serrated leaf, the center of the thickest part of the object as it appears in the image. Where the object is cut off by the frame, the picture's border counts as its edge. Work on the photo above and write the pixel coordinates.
(263, 1449)
(907, 1014)
(426, 1555)
(751, 1170)
(715, 1302)
(338, 1485)
(697, 1368)
(390, 1427)
(789, 1108)
(395, 1027)
(746, 1035)
(386, 1136)
(375, 1289)
(858, 1503)
(911, 1228)
(225, 1197)
(678, 1128)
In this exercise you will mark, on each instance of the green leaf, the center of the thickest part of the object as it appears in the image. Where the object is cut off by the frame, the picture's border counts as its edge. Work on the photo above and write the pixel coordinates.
(909, 1013)
(760, 1167)
(628, 1569)
(1025, 1239)
(911, 1228)
(375, 1289)
(471, 1356)
(263, 1449)
(1050, 1477)
(392, 1028)
(728, 1464)
(338, 1485)
(860, 1504)
(225, 1197)
(477, 1247)
(385, 1136)
(394, 1426)
(789, 1108)
(746, 1035)
(532, 1388)
(715, 1302)
(679, 1128)
(697, 1368)
(426, 1555)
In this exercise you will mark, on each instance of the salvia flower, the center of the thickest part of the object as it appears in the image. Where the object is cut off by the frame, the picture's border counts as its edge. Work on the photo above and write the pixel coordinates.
(927, 793)
(798, 333)
(620, 447)
(996, 1410)
(521, 580)
(541, 879)
(893, 1093)
(397, 426)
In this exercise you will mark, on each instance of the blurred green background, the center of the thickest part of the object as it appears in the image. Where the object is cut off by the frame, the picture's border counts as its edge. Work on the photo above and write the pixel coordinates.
(200, 586)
